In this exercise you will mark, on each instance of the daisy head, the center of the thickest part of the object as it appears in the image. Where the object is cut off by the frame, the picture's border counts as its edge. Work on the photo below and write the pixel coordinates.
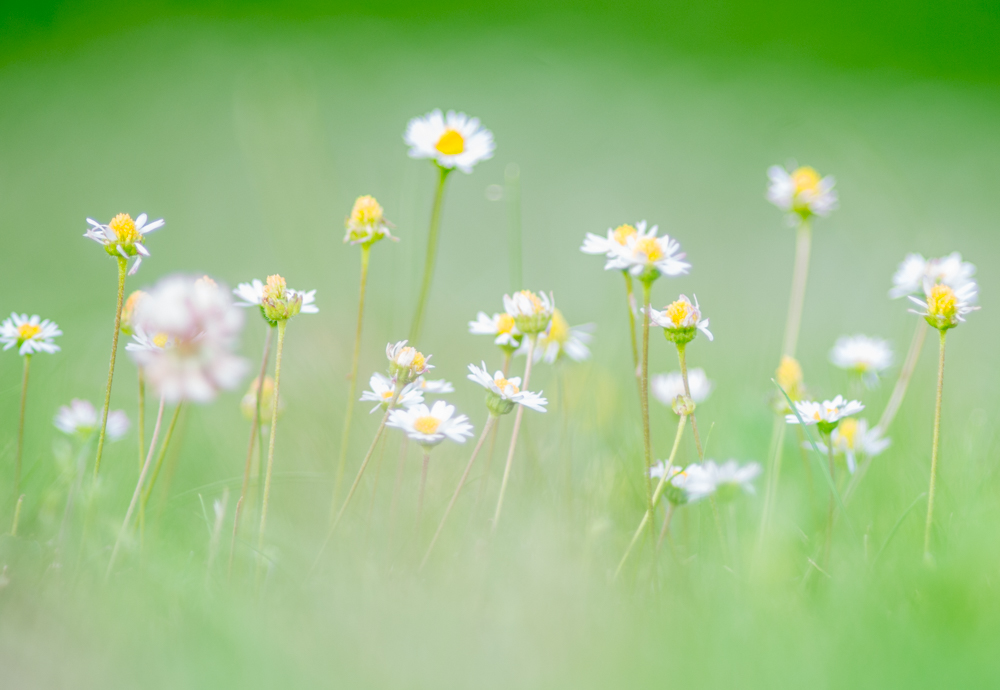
(248, 404)
(668, 387)
(615, 240)
(382, 389)
(852, 438)
(430, 426)
(252, 295)
(915, 270)
(501, 327)
(944, 307)
(80, 419)
(502, 393)
(730, 479)
(406, 363)
(123, 237)
(367, 223)
(801, 193)
(29, 334)
(825, 415)
(645, 255)
(454, 140)
(433, 386)
(681, 320)
(562, 339)
(531, 312)
(683, 486)
(863, 356)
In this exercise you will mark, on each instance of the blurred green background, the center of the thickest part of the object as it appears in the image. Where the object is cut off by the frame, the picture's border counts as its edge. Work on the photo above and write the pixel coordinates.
(252, 128)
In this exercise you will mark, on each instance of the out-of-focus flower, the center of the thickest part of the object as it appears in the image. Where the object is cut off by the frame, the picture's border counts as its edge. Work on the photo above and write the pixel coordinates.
(500, 326)
(454, 140)
(29, 334)
(406, 363)
(647, 256)
(124, 237)
(681, 320)
(248, 404)
(433, 386)
(562, 339)
(915, 271)
(531, 312)
(617, 239)
(802, 192)
(367, 223)
(430, 426)
(944, 307)
(825, 414)
(502, 393)
(666, 387)
(852, 438)
(730, 478)
(689, 485)
(859, 354)
(128, 311)
(382, 390)
(80, 419)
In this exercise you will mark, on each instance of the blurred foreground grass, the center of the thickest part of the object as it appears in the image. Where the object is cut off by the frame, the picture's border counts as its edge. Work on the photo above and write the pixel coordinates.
(252, 134)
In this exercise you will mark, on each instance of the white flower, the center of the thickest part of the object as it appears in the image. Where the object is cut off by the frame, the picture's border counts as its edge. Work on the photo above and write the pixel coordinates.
(202, 327)
(691, 484)
(500, 326)
(531, 312)
(143, 341)
(616, 239)
(79, 418)
(252, 295)
(382, 390)
(429, 427)
(646, 255)
(30, 335)
(454, 140)
(867, 357)
(680, 319)
(826, 413)
(730, 477)
(367, 224)
(666, 387)
(506, 390)
(561, 338)
(944, 307)
(852, 438)
(123, 236)
(801, 192)
(433, 386)
(406, 363)
(915, 270)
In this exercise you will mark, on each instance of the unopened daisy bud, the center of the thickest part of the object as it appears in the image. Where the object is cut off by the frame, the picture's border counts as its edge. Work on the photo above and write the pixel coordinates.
(532, 312)
(406, 363)
(367, 224)
(278, 303)
(248, 404)
(128, 311)
(683, 405)
(681, 321)
(945, 307)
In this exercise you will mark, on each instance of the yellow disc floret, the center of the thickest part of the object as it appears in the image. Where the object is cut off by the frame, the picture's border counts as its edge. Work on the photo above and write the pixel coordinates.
(427, 425)
(124, 228)
(942, 303)
(558, 328)
(367, 211)
(848, 432)
(806, 179)
(451, 143)
(623, 232)
(679, 313)
(505, 324)
(27, 331)
(274, 288)
(160, 340)
(649, 247)
(503, 384)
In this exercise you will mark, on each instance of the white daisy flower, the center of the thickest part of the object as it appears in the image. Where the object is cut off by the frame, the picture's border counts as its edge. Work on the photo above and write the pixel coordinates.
(29, 334)
(405, 362)
(666, 387)
(367, 223)
(562, 339)
(609, 246)
(802, 192)
(252, 295)
(502, 393)
(199, 328)
(730, 478)
(500, 326)
(861, 355)
(852, 438)
(680, 320)
(382, 390)
(143, 341)
(124, 237)
(433, 386)
(944, 307)
(430, 426)
(80, 418)
(826, 414)
(531, 312)
(689, 485)
(645, 255)
(454, 140)
(915, 270)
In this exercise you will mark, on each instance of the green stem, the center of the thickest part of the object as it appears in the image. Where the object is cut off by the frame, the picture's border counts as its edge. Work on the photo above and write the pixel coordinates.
(631, 322)
(141, 417)
(774, 457)
(647, 286)
(493, 446)
(934, 451)
(909, 364)
(282, 325)
(17, 515)
(159, 458)
(122, 266)
(432, 242)
(517, 427)
(803, 240)
(829, 511)
(682, 358)
(20, 425)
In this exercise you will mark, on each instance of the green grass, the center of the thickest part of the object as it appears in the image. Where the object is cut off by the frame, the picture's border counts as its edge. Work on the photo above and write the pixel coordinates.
(252, 132)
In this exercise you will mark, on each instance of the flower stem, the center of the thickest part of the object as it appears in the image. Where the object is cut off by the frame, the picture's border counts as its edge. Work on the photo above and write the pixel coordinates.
(352, 388)
(432, 241)
(517, 427)
(490, 424)
(666, 525)
(159, 458)
(378, 474)
(423, 485)
(631, 322)
(141, 417)
(17, 515)
(20, 425)
(647, 286)
(774, 456)
(282, 325)
(803, 240)
(682, 358)
(909, 364)
(404, 446)
(829, 511)
(122, 265)
(934, 451)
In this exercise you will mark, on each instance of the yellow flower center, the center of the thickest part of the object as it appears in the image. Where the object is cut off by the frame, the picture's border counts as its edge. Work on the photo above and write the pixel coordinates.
(848, 431)
(679, 311)
(275, 288)
(124, 228)
(502, 384)
(505, 324)
(559, 328)
(160, 340)
(27, 331)
(418, 362)
(789, 374)
(451, 143)
(650, 247)
(806, 179)
(367, 211)
(623, 232)
(387, 395)
(205, 280)
(942, 302)
(427, 425)
(817, 416)
(536, 303)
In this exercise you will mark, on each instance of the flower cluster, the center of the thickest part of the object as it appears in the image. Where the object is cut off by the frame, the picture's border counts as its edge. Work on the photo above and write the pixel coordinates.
(681, 320)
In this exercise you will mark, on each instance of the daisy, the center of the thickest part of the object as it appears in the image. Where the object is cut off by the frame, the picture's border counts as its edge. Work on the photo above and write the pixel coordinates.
(825, 414)
(915, 270)
(405, 362)
(531, 312)
(647, 256)
(667, 387)
(680, 320)
(689, 485)
(80, 418)
(124, 237)
(430, 426)
(500, 326)
(503, 393)
(248, 404)
(454, 140)
(731, 478)
(861, 355)
(29, 335)
(283, 299)
(562, 339)
(382, 390)
(151, 343)
(367, 224)
(852, 438)
(945, 307)
(802, 192)
(433, 386)
(616, 239)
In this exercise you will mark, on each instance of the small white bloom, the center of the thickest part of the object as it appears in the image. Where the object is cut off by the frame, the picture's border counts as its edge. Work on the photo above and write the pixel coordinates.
(852, 438)
(828, 412)
(430, 426)
(666, 387)
(945, 308)
(500, 326)
(382, 390)
(730, 477)
(646, 255)
(680, 319)
(684, 486)
(915, 270)
(867, 357)
(29, 334)
(79, 418)
(559, 338)
(151, 343)
(433, 386)
(454, 140)
(609, 246)
(802, 192)
(531, 312)
(405, 362)
(507, 390)
(123, 236)
(252, 295)
(367, 224)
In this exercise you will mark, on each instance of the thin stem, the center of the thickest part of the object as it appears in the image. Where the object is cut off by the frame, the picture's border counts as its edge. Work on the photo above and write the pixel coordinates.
(162, 454)
(404, 446)
(282, 325)
(378, 473)
(666, 525)
(352, 387)
(909, 364)
(830, 508)
(630, 305)
(803, 240)
(423, 485)
(647, 287)
(254, 424)
(432, 242)
(80, 465)
(774, 456)
(141, 416)
(17, 515)
(934, 451)
(490, 424)
(20, 425)
(122, 265)
(493, 446)
(138, 490)
(517, 427)
(682, 358)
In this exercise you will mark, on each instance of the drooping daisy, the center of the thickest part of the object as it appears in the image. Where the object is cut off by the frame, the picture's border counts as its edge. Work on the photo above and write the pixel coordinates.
(852, 438)
(616, 239)
(124, 237)
(562, 339)
(502, 393)
(944, 307)
(730, 478)
(430, 426)
(647, 256)
(681, 320)
(80, 419)
(500, 326)
(454, 140)
(406, 363)
(433, 386)
(802, 192)
(29, 334)
(915, 270)
(382, 390)
(252, 295)
(825, 414)
(531, 312)
(686, 485)
(367, 223)
(248, 404)
(666, 387)
(859, 354)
